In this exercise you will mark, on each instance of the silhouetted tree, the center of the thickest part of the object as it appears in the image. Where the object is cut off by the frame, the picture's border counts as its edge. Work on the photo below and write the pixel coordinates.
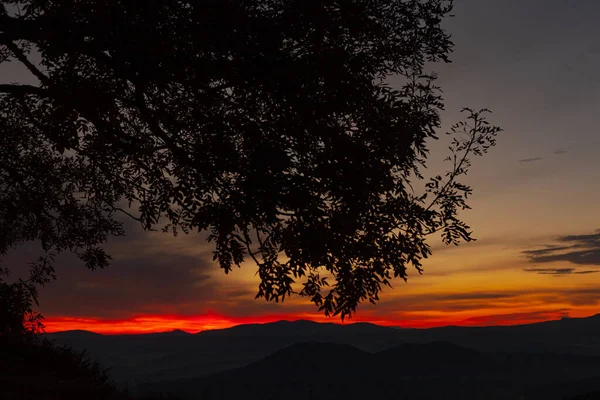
(18, 319)
(35, 368)
(270, 124)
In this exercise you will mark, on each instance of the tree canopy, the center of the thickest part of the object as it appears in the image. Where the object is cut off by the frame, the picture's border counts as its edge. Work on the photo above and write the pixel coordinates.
(269, 124)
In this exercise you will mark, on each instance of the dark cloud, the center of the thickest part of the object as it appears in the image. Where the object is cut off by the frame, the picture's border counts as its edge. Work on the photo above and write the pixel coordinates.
(559, 271)
(148, 284)
(583, 296)
(474, 296)
(516, 318)
(592, 239)
(460, 302)
(560, 152)
(150, 274)
(576, 249)
(551, 271)
(548, 249)
(449, 302)
(527, 160)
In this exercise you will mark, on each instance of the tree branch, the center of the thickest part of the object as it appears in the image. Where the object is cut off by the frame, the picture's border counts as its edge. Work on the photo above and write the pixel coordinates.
(12, 28)
(21, 89)
(153, 124)
(457, 167)
(126, 213)
(20, 55)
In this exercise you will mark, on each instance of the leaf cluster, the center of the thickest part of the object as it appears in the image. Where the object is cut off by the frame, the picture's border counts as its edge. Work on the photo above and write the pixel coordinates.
(268, 124)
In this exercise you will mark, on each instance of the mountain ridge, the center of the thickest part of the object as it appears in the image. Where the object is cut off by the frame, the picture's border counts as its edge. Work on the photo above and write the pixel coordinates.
(306, 323)
(177, 355)
(322, 371)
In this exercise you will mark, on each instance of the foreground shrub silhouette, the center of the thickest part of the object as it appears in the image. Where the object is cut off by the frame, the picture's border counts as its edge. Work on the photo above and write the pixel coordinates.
(35, 368)
(32, 367)
(270, 125)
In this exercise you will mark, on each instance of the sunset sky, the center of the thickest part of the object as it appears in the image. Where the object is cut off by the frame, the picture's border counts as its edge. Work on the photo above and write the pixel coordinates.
(536, 205)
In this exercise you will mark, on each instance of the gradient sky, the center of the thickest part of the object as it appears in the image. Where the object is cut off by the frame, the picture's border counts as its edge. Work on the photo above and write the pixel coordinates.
(536, 206)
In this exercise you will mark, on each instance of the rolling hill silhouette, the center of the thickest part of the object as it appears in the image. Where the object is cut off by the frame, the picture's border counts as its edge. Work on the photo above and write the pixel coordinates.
(299, 328)
(517, 358)
(428, 371)
(578, 389)
(430, 358)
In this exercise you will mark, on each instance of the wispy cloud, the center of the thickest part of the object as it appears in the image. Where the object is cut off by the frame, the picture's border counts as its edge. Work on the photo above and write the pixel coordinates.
(559, 271)
(528, 160)
(576, 249)
(474, 296)
(517, 318)
(560, 152)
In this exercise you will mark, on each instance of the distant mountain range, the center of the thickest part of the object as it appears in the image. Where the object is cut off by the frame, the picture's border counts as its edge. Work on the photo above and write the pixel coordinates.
(305, 360)
(438, 370)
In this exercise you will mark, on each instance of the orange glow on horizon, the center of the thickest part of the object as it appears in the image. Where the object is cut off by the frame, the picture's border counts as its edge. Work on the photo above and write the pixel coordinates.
(210, 321)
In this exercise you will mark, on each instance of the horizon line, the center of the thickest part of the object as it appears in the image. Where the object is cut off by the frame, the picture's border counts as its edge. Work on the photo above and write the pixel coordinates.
(232, 324)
